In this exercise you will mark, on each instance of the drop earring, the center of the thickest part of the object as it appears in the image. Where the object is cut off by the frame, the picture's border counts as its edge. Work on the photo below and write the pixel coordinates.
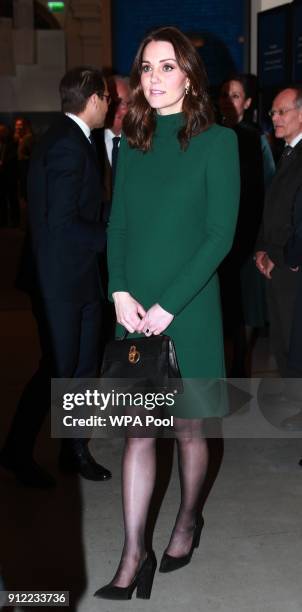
(187, 89)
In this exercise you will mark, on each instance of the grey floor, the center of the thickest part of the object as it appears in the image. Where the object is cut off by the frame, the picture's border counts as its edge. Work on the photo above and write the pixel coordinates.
(249, 559)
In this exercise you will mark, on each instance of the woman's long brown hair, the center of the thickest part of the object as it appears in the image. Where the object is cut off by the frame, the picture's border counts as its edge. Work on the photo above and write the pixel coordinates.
(140, 122)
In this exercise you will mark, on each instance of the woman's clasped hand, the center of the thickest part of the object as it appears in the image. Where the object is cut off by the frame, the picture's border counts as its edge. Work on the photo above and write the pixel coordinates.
(132, 315)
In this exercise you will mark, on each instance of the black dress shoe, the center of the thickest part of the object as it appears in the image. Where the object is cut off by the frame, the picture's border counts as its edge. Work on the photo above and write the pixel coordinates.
(142, 582)
(170, 564)
(76, 459)
(29, 473)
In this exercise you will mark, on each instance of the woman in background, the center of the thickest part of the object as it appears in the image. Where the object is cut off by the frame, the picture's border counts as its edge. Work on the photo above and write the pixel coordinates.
(242, 288)
(24, 139)
(173, 218)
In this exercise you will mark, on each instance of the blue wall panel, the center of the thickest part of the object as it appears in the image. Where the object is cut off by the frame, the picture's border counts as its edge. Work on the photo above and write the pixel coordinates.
(274, 66)
(219, 22)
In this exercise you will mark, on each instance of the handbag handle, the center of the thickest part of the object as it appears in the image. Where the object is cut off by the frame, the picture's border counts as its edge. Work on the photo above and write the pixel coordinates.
(125, 334)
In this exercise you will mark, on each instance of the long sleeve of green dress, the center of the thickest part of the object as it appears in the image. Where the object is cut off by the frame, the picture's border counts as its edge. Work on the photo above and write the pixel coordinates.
(221, 176)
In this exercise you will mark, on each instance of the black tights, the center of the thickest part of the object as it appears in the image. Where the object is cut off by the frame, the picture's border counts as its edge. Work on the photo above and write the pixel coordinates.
(139, 471)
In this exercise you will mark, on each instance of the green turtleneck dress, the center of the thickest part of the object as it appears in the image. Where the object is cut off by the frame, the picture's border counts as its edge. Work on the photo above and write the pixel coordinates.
(172, 222)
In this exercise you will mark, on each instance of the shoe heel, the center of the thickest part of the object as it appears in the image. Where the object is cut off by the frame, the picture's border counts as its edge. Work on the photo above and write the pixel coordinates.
(145, 580)
(198, 533)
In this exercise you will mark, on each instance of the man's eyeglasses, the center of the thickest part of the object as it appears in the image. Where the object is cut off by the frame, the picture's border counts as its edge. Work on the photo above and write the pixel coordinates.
(272, 113)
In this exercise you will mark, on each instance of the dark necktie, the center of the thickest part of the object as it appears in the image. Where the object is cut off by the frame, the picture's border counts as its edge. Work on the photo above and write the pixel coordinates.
(115, 148)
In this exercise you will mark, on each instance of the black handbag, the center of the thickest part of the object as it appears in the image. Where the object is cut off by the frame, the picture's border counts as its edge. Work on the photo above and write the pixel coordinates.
(148, 363)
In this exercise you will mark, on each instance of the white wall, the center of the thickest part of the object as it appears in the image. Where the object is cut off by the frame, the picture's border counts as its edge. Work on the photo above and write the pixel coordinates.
(32, 62)
(268, 4)
(34, 85)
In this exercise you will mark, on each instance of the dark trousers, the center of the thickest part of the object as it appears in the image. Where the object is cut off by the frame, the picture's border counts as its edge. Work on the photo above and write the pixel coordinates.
(69, 336)
(281, 296)
(75, 335)
(9, 202)
(295, 348)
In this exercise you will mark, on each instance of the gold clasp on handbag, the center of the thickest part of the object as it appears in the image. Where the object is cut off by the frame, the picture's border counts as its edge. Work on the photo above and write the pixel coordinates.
(134, 355)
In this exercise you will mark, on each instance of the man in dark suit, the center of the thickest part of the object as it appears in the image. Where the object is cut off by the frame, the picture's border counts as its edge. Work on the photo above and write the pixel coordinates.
(64, 196)
(282, 198)
(293, 258)
(107, 143)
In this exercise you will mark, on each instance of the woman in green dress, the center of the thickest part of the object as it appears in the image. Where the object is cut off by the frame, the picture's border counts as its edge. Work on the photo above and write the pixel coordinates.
(173, 220)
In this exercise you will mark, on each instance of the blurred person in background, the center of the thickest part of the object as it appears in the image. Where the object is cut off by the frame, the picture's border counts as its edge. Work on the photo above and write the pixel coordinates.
(242, 289)
(24, 139)
(9, 204)
(108, 138)
(107, 141)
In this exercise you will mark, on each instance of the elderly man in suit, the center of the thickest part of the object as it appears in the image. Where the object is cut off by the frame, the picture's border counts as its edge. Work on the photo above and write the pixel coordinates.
(283, 197)
(293, 257)
(107, 142)
(108, 138)
(64, 196)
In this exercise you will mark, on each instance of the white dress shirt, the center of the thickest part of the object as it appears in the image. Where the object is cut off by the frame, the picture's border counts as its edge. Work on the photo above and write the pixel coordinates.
(295, 141)
(84, 127)
(108, 136)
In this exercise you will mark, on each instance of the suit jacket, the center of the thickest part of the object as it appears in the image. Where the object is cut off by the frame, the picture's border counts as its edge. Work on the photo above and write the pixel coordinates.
(251, 193)
(65, 194)
(106, 172)
(280, 202)
(249, 219)
(107, 190)
(293, 258)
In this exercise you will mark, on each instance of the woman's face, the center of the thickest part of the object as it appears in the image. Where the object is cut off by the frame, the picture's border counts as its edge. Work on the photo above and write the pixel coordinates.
(162, 80)
(233, 102)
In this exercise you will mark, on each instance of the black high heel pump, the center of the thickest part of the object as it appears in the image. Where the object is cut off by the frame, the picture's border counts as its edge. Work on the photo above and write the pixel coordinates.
(169, 564)
(142, 582)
